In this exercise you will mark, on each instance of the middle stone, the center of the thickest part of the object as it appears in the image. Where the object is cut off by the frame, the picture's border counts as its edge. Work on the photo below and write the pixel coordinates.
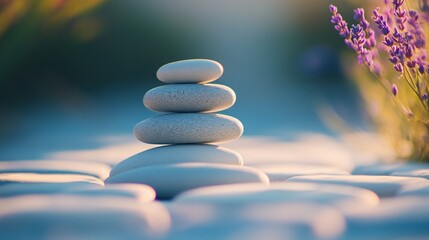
(182, 128)
(189, 98)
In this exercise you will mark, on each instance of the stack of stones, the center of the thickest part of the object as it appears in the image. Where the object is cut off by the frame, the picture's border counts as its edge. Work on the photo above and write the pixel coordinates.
(188, 161)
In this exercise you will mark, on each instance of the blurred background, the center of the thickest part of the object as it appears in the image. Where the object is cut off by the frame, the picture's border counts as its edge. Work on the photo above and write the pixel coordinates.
(74, 72)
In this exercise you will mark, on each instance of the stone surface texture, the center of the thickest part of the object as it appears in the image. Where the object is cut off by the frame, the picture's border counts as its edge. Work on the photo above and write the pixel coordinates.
(189, 98)
(188, 128)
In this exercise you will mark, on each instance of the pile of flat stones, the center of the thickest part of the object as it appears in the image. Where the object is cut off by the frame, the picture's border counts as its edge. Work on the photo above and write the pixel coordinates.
(188, 128)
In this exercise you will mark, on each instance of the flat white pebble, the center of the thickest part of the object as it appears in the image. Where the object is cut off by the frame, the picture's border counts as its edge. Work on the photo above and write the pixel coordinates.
(17, 189)
(189, 98)
(77, 217)
(140, 192)
(281, 172)
(423, 173)
(417, 190)
(394, 218)
(190, 71)
(383, 186)
(238, 194)
(300, 220)
(188, 128)
(7, 178)
(311, 149)
(380, 168)
(182, 153)
(99, 170)
(169, 180)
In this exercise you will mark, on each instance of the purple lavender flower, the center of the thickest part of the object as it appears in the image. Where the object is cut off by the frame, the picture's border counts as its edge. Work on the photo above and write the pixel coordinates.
(370, 42)
(393, 60)
(350, 44)
(402, 36)
(408, 51)
(399, 13)
(398, 53)
(421, 67)
(381, 23)
(394, 89)
(333, 9)
(411, 64)
(424, 5)
(340, 24)
(398, 67)
(416, 29)
(360, 17)
(397, 36)
(397, 3)
(388, 42)
(358, 37)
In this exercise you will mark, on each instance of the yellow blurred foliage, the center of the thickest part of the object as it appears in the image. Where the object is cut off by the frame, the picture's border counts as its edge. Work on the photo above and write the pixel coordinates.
(13, 10)
(60, 11)
(408, 134)
(52, 12)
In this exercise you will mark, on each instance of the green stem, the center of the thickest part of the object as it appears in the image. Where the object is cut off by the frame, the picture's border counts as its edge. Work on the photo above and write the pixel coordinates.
(413, 87)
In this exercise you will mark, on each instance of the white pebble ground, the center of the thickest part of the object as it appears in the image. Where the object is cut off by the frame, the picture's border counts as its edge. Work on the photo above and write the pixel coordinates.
(44, 204)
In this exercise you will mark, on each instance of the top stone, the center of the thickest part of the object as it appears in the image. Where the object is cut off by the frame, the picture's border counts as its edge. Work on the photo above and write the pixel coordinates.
(190, 71)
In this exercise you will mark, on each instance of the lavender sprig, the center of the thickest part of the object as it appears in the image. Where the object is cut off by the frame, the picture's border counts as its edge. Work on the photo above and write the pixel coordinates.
(340, 24)
(379, 20)
(403, 38)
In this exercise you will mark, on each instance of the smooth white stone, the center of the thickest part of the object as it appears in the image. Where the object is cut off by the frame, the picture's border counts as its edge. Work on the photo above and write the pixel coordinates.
(422, 191)
(394, 218)
(189, 98)
(281, 172)
(98, 170)
(140, 192)
(311, 149)
(300, 220)
(77, 217)
(169, 180)
(8, 178)
(423, 173)
(190, 71)
(238, 194)
(390, 168)
(17, 189)
(182, 153)
(188, 128)
(383, 186)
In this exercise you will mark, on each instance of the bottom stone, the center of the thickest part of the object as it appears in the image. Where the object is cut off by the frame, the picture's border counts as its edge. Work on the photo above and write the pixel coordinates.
(170, 180)
(174, 154)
